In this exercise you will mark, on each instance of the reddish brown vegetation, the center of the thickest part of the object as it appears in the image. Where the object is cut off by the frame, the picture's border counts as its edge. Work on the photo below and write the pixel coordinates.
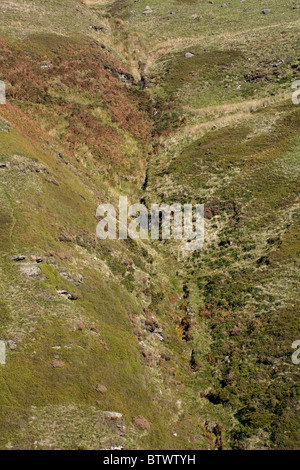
(53, 88)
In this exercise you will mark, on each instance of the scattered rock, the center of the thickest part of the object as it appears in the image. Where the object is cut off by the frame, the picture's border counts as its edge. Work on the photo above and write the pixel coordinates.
(129, 262)
(57, 364)
(257, 76)
(46, 65)
(11, 345)
(165, 356)
(112, 414)
(104, 344)
(67, 295)
(37, 259)
(266, 11)
(73, 296)
(141, 422)
(53, 181)
(151, 324)
(188, 55)
(139, 334)
(147, 10)
(30, 270)
(80, 326)
(18, 258)
(62, 292)
(101, 388)
(121, 430)
(96, 28)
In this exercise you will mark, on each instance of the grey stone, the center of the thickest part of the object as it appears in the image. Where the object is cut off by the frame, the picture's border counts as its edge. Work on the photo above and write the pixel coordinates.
(30, 270)
(112, 414)
(18, 258)
(147, 10)
(11, 344)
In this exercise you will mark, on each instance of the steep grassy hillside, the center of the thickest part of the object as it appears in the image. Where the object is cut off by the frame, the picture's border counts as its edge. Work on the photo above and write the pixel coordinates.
(133, 344)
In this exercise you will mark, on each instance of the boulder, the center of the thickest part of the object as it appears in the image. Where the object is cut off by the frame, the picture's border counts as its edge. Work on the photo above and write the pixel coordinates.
(57, 364)
(101, 388)
(147, 10)
(11, 345)
(30, 270)
(112, 414)
(18, 258)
